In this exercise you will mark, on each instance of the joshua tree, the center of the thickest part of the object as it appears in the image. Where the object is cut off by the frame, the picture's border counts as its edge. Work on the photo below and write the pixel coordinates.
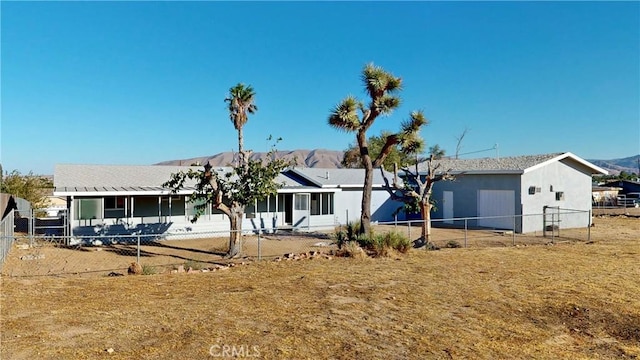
(351, 115)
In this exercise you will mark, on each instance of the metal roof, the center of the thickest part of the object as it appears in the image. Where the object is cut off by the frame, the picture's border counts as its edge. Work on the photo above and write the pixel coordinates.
(136, 179)
(338, 177)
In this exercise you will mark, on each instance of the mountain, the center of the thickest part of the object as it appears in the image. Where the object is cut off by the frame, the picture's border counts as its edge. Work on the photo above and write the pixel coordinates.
(321, 158)
(615, 166)
(318, 158)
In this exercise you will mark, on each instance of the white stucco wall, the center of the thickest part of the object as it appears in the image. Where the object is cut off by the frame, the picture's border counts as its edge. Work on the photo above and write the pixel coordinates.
(574, 183)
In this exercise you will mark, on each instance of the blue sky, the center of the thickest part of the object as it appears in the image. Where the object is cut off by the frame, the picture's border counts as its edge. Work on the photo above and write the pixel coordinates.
(144, 82)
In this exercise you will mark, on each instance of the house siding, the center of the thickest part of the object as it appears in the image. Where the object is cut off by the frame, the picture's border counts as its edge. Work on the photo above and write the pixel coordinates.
(561, 177)
(465, 189)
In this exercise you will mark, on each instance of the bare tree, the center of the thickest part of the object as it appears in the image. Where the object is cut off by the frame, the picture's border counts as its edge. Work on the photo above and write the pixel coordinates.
(459, 143)
(417, 188)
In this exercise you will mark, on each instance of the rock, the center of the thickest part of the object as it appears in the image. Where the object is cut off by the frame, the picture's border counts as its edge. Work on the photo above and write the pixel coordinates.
(289, 255)
(22, 246)
(181, 268)
(314, 253)
(110, 350)
(115, 274)
(135, 269)
(96, 243)
(190, 270)
(32, 257)
(278, 259)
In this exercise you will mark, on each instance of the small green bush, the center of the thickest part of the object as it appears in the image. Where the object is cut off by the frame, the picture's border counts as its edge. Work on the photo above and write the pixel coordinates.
(193, 265)
(452, 244)
(148, 270)
(349, 234)
(382, 244)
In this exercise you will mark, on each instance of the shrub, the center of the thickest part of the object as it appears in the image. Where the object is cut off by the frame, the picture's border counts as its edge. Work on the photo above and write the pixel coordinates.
(452, 244)
(382, 244)
(148, 270)
(349, 234)
(193, 265)
(351, 249)
(432, 246)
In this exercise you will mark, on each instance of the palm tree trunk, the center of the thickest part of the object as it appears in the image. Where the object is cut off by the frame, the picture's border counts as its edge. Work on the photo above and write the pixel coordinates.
(241, 155)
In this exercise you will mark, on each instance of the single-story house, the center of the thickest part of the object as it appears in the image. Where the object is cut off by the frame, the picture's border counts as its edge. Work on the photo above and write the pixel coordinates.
(130, 199)
(496, 189)
(626, 186)
(604, 195)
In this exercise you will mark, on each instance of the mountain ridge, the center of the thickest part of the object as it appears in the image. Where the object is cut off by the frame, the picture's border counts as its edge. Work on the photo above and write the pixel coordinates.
(323, 158)
(318, 158)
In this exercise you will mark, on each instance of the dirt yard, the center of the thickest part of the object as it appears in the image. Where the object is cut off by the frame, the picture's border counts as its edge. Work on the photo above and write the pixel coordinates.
(573, 299)
(46, 258)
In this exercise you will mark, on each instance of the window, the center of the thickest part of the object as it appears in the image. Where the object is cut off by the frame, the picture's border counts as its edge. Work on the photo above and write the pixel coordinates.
(301, 202)
(114, 207)
(88, 209)
(194, 206)
(327, 203)
(322, 204)
(176, 208)
(114, 202)
(315, 204)
(559, 196)
(145, 206)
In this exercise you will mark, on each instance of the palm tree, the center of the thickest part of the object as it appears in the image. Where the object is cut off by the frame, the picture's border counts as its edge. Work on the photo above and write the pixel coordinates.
(241, 103)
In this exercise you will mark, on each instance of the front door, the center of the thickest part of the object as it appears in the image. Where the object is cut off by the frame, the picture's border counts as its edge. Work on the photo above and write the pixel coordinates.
(447, 207)
(301, 210)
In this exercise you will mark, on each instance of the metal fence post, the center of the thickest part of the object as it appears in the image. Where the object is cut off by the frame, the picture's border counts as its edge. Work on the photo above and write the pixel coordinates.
(465, 232)
(259, 249)
(514, 230)
(138, 255)
(589, 227)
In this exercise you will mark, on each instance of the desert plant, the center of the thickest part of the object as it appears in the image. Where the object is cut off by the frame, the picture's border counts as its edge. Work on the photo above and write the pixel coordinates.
(148, 270)
(194, 265)
(382, 245)
(353, 250)
(349, 234)
(452, 244)
(432, 246)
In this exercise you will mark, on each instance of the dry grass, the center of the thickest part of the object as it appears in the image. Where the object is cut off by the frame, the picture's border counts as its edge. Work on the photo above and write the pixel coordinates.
(572, 300)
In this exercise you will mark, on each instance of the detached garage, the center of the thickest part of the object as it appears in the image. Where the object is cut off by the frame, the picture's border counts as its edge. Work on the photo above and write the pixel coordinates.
(493, 190)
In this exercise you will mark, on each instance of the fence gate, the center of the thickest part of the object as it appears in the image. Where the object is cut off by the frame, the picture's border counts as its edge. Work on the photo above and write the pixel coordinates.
(551, 221)
(6, 236)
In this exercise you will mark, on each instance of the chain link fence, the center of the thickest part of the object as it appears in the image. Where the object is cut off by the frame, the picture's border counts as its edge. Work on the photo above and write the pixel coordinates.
(53, 252)
(6, 236)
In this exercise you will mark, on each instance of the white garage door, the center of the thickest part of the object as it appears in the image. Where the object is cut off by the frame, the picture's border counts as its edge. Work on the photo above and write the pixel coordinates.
(496, 203)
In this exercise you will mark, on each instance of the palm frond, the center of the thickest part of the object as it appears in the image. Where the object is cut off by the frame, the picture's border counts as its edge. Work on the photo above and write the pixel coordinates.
(240, 102)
